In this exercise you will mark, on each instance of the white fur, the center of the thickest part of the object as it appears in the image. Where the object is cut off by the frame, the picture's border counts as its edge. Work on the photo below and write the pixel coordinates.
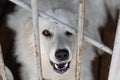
(21, 22)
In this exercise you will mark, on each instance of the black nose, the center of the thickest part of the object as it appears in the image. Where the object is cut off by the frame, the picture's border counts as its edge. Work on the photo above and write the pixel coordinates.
(62, 54)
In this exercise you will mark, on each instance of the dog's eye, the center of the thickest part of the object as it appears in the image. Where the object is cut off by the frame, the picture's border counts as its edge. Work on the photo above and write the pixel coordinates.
(46, 33)
(67, 33)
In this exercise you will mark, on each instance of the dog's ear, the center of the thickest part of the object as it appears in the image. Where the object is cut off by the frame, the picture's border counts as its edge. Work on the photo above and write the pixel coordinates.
(3, 2)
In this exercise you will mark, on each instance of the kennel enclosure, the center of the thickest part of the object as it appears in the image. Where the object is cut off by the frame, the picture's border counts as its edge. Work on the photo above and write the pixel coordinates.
(115, 63)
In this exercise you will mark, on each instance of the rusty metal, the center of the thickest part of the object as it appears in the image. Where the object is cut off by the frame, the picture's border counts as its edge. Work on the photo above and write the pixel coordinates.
(37, 37)
(80, 37)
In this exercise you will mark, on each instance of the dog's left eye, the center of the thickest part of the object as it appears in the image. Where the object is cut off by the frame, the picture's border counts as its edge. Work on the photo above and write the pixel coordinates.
(67, 33)
(47, 33)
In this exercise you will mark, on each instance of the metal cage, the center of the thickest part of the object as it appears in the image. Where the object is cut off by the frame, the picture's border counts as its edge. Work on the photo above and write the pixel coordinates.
(115, 63)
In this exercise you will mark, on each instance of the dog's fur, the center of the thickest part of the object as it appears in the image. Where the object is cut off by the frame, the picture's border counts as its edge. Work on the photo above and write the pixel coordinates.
(66, 11)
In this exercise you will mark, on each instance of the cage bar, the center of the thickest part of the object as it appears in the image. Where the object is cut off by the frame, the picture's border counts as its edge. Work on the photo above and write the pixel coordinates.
(2, 67)
(80, 37)
(37, 37)
(114, 73)
(97, 44)
(22, 4)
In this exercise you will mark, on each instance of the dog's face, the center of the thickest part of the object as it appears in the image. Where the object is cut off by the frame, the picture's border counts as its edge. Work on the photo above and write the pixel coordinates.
(57, 43)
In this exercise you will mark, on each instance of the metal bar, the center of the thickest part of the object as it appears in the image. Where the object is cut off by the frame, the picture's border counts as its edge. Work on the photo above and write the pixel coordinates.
(37, 37)
(114, 73)
(22, 4)
(80, 37)
(2, 67)
(97, 44)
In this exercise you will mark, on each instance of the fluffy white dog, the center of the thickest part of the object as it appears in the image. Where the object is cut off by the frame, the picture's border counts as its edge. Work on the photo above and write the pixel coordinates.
(58, 45)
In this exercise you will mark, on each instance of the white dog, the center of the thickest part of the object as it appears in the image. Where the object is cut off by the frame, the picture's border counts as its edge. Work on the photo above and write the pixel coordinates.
(58, 45)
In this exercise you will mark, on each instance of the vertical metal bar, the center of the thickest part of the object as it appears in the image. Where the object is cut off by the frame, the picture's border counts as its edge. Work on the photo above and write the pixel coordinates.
(2, 67)
(114, 73)
(37, 37)
(80, 37)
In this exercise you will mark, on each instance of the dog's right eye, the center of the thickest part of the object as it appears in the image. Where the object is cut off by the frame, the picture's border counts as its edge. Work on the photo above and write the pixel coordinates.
(67, 33)
(47, 33)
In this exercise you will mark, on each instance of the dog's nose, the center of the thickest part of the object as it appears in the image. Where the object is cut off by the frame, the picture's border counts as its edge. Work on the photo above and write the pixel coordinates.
(62, 54)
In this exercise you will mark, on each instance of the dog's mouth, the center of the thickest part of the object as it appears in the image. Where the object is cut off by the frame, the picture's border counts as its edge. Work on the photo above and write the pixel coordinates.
(61, 67)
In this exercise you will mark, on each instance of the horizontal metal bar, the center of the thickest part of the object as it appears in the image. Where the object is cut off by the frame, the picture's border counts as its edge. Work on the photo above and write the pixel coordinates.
(46, 16)
(97, 44)
(22, 4)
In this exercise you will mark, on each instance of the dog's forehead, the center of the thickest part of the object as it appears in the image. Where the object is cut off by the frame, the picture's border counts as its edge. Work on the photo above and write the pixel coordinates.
(52, 27)
(63, 15)
(67, 17)
(45, 24)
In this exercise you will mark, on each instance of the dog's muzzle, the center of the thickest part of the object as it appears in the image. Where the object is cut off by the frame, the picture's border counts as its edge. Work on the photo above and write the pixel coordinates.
(61, 55)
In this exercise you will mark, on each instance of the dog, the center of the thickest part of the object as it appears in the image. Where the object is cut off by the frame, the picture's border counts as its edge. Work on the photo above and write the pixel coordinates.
(58, 46)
